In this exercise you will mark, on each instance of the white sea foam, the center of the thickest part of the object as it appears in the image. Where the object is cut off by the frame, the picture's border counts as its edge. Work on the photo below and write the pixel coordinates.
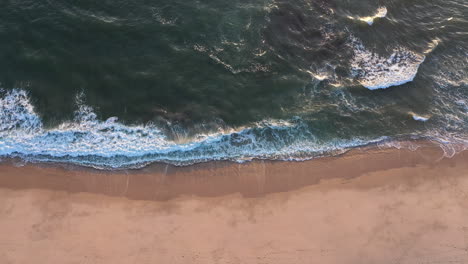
(85, 140)
(109, 144)
(380, 13)
(17, 113)
(419, 117)
(399, 144)
(376, 72)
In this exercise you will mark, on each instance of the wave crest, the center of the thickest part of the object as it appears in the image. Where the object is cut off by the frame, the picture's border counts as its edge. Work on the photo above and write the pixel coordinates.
(17, 113)
(376, 72)
(380, 13)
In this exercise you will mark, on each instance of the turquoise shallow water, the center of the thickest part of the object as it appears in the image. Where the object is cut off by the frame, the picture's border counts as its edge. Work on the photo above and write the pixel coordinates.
(121, 83)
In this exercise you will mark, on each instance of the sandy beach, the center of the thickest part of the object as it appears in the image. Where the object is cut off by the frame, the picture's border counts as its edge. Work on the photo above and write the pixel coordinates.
(367, 206)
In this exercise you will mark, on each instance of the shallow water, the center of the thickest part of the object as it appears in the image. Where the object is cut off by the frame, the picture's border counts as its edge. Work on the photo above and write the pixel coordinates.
(121, 83)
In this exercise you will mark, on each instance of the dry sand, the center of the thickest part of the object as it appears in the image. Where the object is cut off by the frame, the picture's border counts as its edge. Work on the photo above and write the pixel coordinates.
(367, 206)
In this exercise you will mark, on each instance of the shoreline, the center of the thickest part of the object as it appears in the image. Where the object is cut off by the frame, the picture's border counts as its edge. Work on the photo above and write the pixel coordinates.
(366, 206)
(160, 181)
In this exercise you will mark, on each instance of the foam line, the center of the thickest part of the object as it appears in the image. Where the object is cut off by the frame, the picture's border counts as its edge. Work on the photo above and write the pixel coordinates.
(110, 144)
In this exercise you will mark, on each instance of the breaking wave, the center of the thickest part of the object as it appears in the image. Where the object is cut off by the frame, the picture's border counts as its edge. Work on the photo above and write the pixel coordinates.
(380, 13)
(419, 117)
(109, 144)
(376, 72)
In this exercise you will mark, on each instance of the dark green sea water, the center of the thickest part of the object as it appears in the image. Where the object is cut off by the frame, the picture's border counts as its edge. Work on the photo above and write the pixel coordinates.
(119, 83)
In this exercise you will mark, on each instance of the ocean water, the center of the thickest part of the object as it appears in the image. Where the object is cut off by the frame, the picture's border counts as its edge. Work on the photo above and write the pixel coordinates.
(122, 84)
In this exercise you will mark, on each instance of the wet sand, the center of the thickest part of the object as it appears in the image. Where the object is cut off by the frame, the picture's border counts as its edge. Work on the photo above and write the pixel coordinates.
(366, 206)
